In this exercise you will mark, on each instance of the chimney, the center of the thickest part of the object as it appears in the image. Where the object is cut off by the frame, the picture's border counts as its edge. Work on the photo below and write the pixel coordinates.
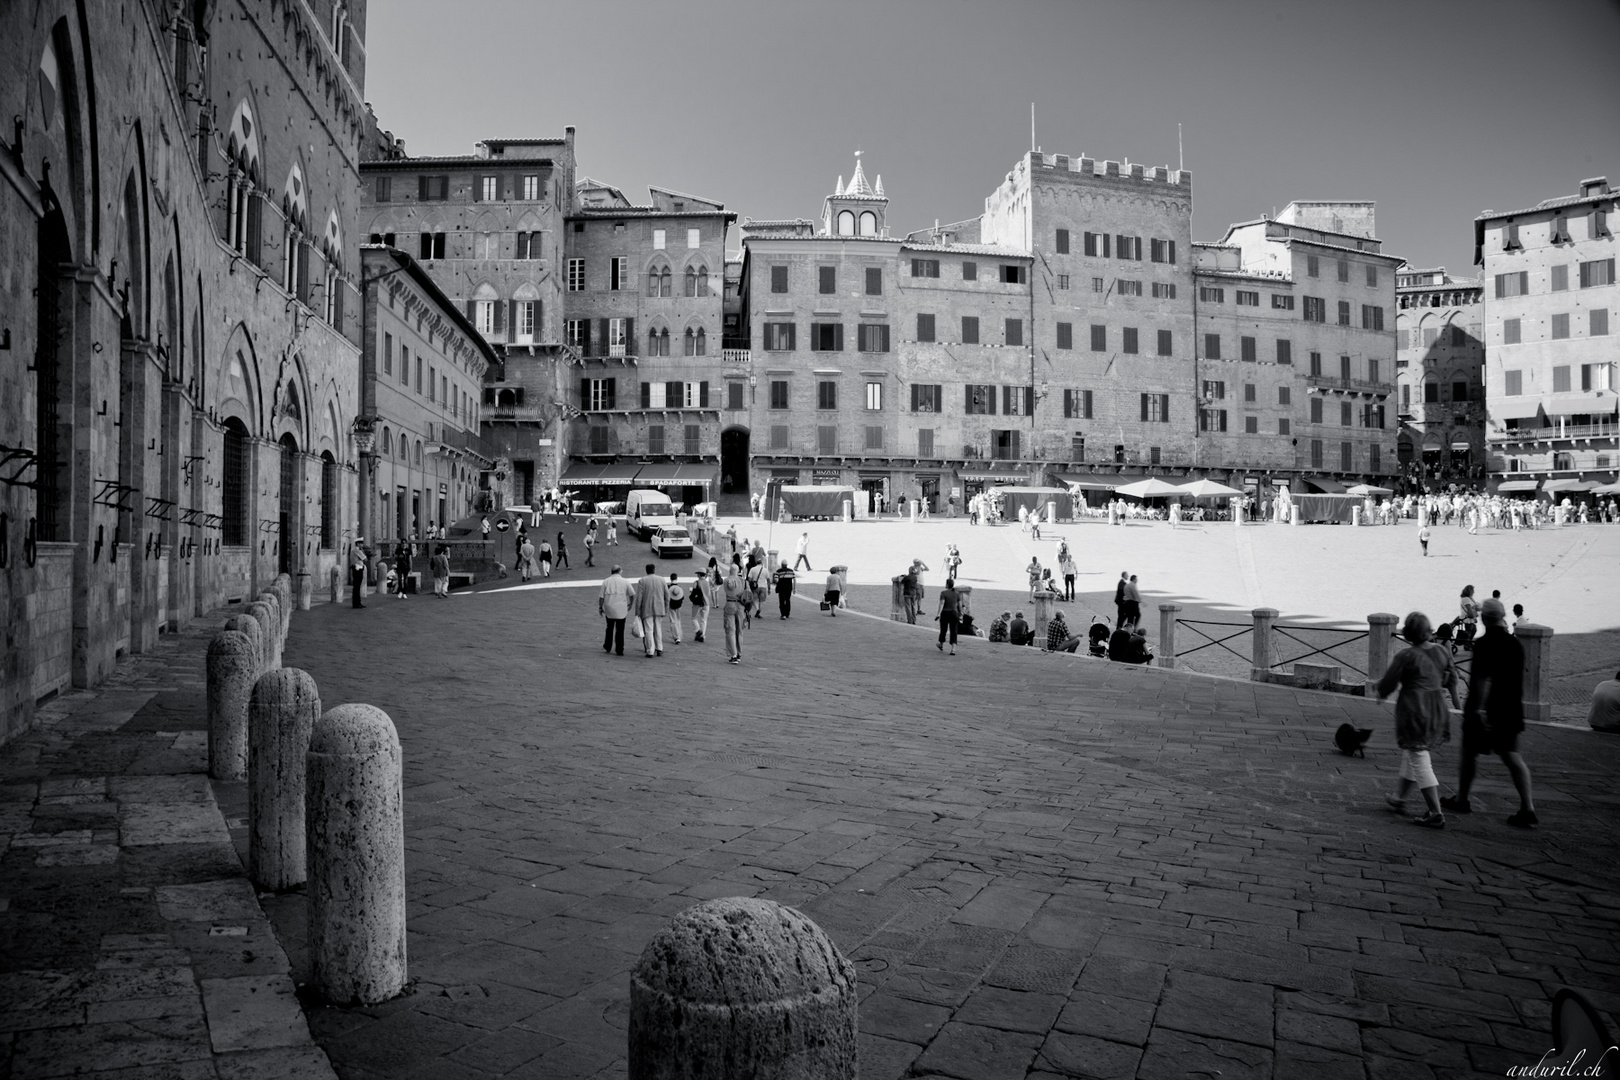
(1598, 185)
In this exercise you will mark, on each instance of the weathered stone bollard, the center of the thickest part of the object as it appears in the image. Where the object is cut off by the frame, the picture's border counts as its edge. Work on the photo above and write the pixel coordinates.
(742, 987)
(1044, 605)
(247, 624)
(270, 599)
(233, 664)
(302, 591)
(772, 561)
(332, 584)
(1167, 634)
(267, 631)
(284, 590)
(281, 714)
(897, 599)
(1537, 642)
(354, 801)
(1380, 638)
(1263, 656)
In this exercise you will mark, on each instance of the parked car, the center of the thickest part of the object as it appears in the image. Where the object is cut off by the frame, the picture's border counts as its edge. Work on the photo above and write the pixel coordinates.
(669, 541)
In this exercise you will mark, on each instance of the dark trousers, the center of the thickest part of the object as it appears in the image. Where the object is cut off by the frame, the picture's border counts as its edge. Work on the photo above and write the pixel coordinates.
(357, 582)
(1068, 586)
(784, 601)
(613, 637)
(947, 621)
(562, 558)
(803, 558)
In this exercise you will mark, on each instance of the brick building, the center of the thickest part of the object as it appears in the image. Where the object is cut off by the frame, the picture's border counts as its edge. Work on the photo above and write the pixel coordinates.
(1550, 303)
(176, 229)
(1440, 372)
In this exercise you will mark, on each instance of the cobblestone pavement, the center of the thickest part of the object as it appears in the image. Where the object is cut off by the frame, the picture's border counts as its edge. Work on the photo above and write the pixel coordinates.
(1041, 866)
(131, 942)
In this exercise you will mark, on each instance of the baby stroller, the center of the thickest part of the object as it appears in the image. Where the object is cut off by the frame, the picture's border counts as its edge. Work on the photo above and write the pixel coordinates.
(1456, 635)
(1097, 636)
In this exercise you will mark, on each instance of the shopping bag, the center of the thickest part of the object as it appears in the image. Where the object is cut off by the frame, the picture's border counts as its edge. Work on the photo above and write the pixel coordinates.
(635, 629)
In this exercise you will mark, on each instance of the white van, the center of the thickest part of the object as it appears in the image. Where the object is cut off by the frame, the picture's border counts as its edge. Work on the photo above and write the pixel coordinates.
(645, 510)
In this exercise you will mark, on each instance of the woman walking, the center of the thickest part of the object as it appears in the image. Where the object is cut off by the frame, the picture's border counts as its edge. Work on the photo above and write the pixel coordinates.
(1423, 675)
(950, 614)
(1468, 609)
(402, 567)
(562, 550)
(1067, 568)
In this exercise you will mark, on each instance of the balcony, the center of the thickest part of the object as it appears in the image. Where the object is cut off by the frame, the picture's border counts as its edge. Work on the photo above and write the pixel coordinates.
(1609, 430)
(736, 356)
(1351, 386)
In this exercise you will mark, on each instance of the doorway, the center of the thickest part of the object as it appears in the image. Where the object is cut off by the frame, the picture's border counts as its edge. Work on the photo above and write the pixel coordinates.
(288, 552)
(734, 460)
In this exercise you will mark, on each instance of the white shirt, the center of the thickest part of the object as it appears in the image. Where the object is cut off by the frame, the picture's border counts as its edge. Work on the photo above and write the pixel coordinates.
(804, 544)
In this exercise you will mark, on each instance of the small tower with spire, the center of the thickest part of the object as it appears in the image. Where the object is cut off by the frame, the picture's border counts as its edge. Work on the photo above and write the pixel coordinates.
(856, 209)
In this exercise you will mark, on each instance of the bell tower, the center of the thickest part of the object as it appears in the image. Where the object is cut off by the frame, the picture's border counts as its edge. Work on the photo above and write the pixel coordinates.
(859, 209)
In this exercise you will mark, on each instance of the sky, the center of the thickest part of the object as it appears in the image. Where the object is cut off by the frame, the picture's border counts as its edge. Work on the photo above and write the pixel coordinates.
(1434, 109)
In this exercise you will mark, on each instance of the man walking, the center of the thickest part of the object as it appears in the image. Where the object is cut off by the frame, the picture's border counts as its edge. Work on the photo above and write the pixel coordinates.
(1119, 599)
(1493, 715)
(677, 596)
(613, 601)
(525, 559)
(784, 590)
(735, 588)
(357, 570)
(441, 571)
(652, 608)
(803, 548)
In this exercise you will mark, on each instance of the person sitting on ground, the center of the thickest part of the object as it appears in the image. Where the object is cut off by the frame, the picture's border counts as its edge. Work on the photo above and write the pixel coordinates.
(999, 627)
(1605, 712)
(1128, 645)
(1020, 632)
(1058, 638)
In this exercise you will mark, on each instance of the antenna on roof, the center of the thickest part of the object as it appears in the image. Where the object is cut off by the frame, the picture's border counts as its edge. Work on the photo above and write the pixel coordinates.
(1181, 161)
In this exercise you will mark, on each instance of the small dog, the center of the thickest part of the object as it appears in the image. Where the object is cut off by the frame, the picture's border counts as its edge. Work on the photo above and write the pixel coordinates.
(500, 569)
(1351, 740)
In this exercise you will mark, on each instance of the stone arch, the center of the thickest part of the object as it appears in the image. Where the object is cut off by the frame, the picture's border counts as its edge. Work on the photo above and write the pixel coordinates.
(242, 138)
(132, 252)
(53, 380)
(845, 223)
(868, 223)
(238, 380)
(55, 118)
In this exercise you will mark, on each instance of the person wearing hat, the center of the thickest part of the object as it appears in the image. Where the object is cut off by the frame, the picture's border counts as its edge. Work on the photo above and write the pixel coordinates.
(1493, 714)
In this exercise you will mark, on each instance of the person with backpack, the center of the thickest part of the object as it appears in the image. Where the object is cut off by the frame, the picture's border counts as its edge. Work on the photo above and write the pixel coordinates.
(677, 597)
(702, 595)
(755, 580)
(1423, 675)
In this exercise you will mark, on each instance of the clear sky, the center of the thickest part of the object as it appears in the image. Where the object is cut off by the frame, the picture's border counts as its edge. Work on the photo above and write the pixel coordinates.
(1436, 109)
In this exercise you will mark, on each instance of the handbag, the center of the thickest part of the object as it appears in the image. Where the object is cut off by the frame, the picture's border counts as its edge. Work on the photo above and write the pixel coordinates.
(825, 606)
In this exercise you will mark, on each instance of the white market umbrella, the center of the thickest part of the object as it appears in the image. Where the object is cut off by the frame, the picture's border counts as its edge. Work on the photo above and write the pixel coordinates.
(1149, 488)
(1368, 489)
(1208, 489)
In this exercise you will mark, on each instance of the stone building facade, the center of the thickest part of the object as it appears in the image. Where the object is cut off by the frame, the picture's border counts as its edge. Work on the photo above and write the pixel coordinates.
(1550, 303)
(422, 393)
(180, 323)
(1440, 374)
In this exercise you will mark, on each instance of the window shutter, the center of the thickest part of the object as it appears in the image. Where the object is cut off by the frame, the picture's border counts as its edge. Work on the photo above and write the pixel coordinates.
(602, 342)
(612, 396)
(1172, 244)
(1007, 400)
(990, 400)
(1068, 403)
(584, 395)
(630, 335)
(703, 394)
(1106, 241)
(1029, 401)
(523, 245)
(792, 336)
(1144, 408)
(838, 336)
(1012, 444)
(472, 312)
(646, 395)
(585, 337)
(967, 406)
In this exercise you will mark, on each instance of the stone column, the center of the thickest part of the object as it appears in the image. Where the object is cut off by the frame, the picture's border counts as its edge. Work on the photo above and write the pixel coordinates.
(772, 561)
(281, 714)
(1263, 655)
(1044, 604)
(1167, 635)
(233, 662)
(302, 590)
(247, 624)
(1380, 641)
(897, 599)
(332, 583)
(1537, 642)
(268, 630)
(742, 987)
(354, 801)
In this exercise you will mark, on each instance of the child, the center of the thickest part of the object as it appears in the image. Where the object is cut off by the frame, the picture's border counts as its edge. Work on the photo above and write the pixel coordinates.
(1423, 538)
(676, 596)
(1518, 617)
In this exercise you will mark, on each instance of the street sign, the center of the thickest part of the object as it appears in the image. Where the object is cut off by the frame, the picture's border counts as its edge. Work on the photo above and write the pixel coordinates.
(503, 524)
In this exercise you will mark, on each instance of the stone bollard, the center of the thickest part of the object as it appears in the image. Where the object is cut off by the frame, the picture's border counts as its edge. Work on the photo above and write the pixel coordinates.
(247, 624)
(272, 599)
(260, 611)
(302, 591)
(1380, 639)
(332, 580)
(1355, 515)
(1264, 658)
(1537, 642)
(354, 802)
(1167, 634)
(772, 561)
(281, 714)
(897, 599)
(1044, 605)
(1051, 512)
(233, 663)
(742, 987)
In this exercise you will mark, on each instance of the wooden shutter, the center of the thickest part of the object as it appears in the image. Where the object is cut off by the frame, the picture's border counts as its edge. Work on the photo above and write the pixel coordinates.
(838, 337)
(255, 228)
(584, 395)
(612, 394)
(1012, 444)
(1172, 245)
(1144, 408)
(1029, 401)
(630, 335)
(1007, 400)
(674, 394)
(523, 245)
(967, 404)
(703, 394)
(1106, 238)
(646, 395)
(500, 316)
(792, 336)
(603, 339)
(585, 337)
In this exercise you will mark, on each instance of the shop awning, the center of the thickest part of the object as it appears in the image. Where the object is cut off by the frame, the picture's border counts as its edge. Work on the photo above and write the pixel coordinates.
(1324, 485)
(585, 472)
(1090, 481)
(1595, 404)
(1460, 447)
(1562, 483)
(671, 473)
(1517, 485)
(998, 471)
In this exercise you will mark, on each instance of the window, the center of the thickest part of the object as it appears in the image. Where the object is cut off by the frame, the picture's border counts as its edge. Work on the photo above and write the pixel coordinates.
(1063, 282)
(1459, 391)
(1282, 425)
(531, 189)
(1372, 369)
(1597, 377)
(655, 437)
(1015, 331)
(1561, 379)
(404, 365)
(484, 316)
(1315, 309)
(1065, 335)
(658, 281)
(597, 394)
(874, 397)
(981, 400)
(1316, 453)
(432, 188)
(1063, 241)
(1246, 348)
(1215, 389)
(1251, 425)
(1598, 325)
(1248, 298)
(694, 438)
(1282, 302)
(779, 337)
(925, 268)
(734, 394)
(1017, 400)
(1162, 251)
(1344, 313)
(1347, 456)
(1096, 284)
(779, 394)
(1285, 395)
(1249, 391)
(779, 280)
(1128, 340)
(970, 271)
(489, 188)
(1431, 392)
(694, 239)
(1164, 290)
(618, 274)
(1510, 331)
(1563, 461)
(1595, 273)
(1373, 456)
(1316, 410)
(431, 246)
(1372, 277)
(528, 245)
(779, 436)
(1600, 222)
(1209, 294)
(1406, 396)
(1285, 351)
(1077, 447)
(1344, 368)
(925, 442)
(826, 394)
(874, 436)
(827, 439)
(1099, 338)
(926, 398)
(576, 275)
(874, 281)
(1004, 444)
(1560, 326)
(1012, 275)
(1313, 266)
(1212, 420)
(827, 337)
(925, 328)
(1128, 247)
(388, 354)
(1156, 408)
(1096, 244)
(524, 320)
(1166, 338)
(1518, 283)
(872, 337)
(1344, 269)
(1128, 287)
(1459, 337)
(1560, 278)
(826, 280)
(1372, 317)
(1212, 346)
(658, 239)
(1345, 413)
(1077, 404)
(579, 334)
(1559, 233)
(383, 189)
(970, 329)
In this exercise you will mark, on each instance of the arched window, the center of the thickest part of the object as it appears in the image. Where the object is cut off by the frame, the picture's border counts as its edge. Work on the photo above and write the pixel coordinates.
(868, 223)
(846, 223)
(169, 335)
(703, 281)
(388, 442)
(53, 437)
(288, 504)
(691, 281)
(329, 501)
(234, 485)
(133, 266)
(418, 453)
(702, 342)
(404, 448)
(691, 342)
